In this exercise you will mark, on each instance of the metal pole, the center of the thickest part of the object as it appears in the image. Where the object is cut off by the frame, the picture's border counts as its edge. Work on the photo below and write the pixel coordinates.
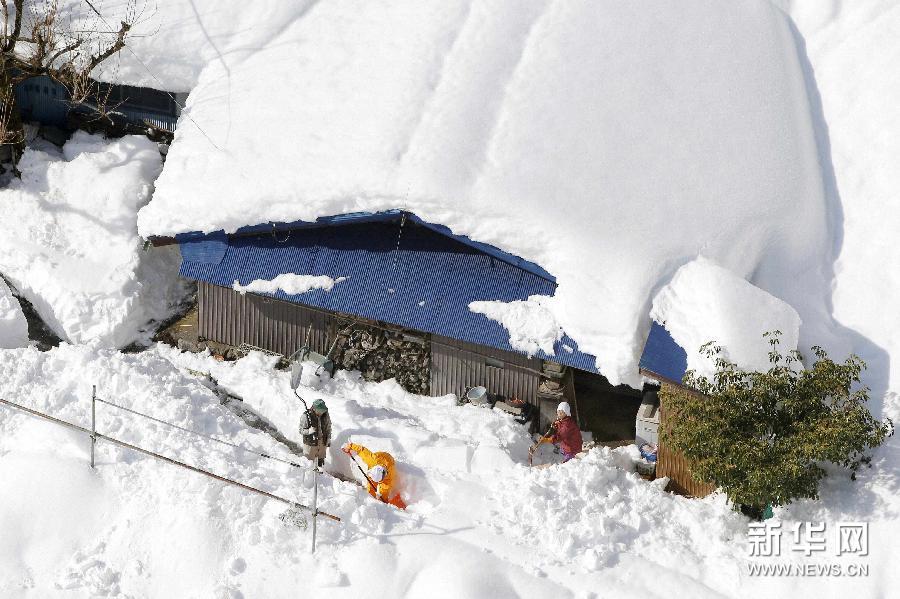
(93, 421)
(315, 509)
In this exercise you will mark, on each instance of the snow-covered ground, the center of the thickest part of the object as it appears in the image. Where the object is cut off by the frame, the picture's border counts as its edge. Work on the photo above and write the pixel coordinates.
(595, 138)
(13, 326)
(480, 522)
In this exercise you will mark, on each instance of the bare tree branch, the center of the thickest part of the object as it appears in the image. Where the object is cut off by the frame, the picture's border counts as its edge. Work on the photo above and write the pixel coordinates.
(5, 21)
(115, 47)
(65, 46)
(17, 25)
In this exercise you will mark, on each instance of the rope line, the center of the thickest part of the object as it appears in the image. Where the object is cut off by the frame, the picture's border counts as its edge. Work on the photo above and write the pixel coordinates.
(120, 443)
(216, 439)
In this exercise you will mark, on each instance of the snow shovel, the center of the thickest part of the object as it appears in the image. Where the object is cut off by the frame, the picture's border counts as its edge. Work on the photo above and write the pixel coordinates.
(534, 447)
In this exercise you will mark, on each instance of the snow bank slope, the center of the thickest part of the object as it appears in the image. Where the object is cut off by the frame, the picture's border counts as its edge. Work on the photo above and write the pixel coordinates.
(69, 243)
(571, 134)
(854, 50)
(13, 327)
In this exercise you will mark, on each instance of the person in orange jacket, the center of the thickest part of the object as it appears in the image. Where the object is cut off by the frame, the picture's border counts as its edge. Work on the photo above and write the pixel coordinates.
(380, 474)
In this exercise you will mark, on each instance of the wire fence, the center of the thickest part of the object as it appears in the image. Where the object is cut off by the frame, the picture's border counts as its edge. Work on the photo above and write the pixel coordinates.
(95, 436)
(208, 437)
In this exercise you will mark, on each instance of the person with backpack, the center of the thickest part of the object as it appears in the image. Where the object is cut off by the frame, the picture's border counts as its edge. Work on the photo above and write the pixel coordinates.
(315, 429)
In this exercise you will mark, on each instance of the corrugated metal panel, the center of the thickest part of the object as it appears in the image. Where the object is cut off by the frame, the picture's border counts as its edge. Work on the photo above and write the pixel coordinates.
(165, 122)
(662, 357)
(412, 276)
(673, 464)
(202, 249)
(282, 228)
(231, 318)
(456, 365)
(48, 102)
(44, 100)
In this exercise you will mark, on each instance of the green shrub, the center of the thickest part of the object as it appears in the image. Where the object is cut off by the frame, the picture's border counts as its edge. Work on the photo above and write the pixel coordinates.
(762, 437)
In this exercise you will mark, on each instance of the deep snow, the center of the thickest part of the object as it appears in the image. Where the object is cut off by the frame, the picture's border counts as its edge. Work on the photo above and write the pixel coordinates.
(571, 134)
(13, 326)
(765, 145)
(531, 323)
(480, 522)
(69, 244)
(852, 49)
(706, 303)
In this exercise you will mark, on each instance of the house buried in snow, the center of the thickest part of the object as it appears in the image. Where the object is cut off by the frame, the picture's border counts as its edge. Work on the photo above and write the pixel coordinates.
(498, 123)
(398, 307)
(389, 294)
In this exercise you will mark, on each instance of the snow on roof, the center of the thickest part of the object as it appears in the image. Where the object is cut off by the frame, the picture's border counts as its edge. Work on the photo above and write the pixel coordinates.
(608, 142)
(705, 302)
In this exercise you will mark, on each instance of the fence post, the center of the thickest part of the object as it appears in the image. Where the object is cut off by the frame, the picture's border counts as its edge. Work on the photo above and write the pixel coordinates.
(93, 421)
(315, 505)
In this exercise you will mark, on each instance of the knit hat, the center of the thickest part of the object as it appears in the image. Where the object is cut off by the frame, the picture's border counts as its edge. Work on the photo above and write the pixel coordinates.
(319, 406)
(564, 408)
(377, 473)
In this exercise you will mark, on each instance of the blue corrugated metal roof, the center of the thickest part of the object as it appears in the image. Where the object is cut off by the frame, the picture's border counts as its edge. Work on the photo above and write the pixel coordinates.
(281, 228)
(203, 249)
(662, 356)
(421, 278)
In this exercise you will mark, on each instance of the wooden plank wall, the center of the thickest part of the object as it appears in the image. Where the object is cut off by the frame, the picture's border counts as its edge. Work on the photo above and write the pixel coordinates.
(456, 365)
(228, 317)
(673, 464)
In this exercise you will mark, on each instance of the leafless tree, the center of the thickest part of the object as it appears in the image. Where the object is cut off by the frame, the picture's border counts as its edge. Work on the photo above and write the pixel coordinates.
(38, 39)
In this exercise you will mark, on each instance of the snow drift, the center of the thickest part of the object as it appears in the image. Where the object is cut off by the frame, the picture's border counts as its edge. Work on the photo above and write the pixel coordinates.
(69, 244)
(705, 302)
(853, 50)
(480, 523)
(660, 131)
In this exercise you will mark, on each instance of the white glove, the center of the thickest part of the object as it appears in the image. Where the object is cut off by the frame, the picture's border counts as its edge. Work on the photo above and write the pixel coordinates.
(307, 431)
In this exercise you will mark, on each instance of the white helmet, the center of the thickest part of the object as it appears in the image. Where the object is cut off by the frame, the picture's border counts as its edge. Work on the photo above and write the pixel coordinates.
(377, 473)
(564, 408)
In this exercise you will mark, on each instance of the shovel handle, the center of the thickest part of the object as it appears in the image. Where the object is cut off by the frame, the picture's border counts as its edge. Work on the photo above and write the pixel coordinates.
(543, 439)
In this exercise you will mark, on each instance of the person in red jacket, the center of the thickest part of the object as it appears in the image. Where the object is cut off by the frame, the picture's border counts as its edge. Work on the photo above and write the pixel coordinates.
(565, 432)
